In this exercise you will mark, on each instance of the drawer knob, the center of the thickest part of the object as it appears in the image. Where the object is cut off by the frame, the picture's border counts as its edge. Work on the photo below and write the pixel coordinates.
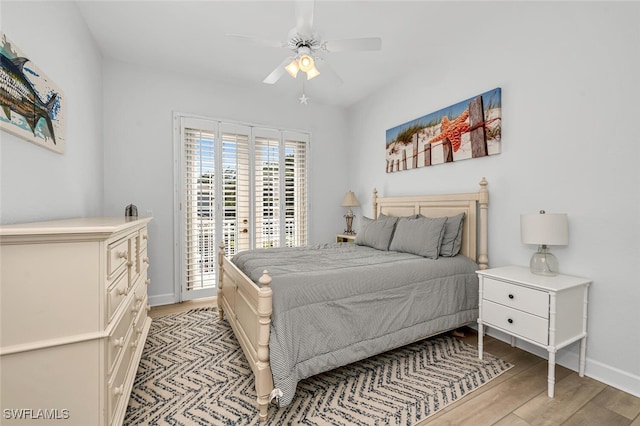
(147, 281)
(123, 291)
(510, 321)
(119, 342)
(123, 254)
(511, 296)
(139, 298)
(145, 237)
(119, 390)
(145, 259)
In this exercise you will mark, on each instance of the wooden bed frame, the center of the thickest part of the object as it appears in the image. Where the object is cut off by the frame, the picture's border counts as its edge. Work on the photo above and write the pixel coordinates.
(248, 307)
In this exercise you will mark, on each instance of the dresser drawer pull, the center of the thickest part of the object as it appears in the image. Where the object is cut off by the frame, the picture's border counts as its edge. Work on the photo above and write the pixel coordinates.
(134, 344)
(145, 260)
(119, 342)
(148, 308)
(138, 330)
(123, 254)
(145, 237)
(511, 296)
(123, 291)
(147, 281)
(139, 298)
(510, 321)
(119, 390)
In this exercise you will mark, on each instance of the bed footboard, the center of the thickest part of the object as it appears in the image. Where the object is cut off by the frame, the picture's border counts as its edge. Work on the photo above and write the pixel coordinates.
(248, 307)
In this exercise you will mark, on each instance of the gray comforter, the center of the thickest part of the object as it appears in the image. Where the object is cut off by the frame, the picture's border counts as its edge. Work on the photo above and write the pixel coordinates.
(334, 304)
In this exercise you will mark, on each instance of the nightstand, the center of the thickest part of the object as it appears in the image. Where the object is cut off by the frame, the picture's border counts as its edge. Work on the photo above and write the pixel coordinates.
(344, 238)
(550, 312)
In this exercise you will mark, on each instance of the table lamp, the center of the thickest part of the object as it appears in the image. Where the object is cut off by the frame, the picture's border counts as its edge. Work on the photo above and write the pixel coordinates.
(349, 201)
(544, 229)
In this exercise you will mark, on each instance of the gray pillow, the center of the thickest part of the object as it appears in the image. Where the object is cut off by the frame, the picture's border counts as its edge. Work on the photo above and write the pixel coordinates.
(376, 233)
(452, 238)
(419, 235)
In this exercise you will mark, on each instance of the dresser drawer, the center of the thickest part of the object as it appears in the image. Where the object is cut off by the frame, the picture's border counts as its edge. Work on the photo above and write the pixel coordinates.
(116, 294)
(516, 322)
(120, 334)
(532, 301)
(117, 256)
(117, 381)
(144, 237)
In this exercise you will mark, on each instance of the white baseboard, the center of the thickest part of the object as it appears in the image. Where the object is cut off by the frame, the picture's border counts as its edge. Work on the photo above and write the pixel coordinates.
(568, 357)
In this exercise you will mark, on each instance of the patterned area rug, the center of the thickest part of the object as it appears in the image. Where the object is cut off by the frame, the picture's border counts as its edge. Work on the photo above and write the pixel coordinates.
(193, 372)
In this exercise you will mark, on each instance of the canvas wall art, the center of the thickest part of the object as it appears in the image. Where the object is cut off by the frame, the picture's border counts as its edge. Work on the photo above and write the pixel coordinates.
(469, 129)
(32, 105)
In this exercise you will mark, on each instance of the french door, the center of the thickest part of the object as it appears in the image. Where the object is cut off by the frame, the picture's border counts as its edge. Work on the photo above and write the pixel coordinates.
(237, 184)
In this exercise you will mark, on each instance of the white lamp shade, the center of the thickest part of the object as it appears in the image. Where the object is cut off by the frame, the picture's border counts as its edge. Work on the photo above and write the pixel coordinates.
(350, 200)
(550, 229)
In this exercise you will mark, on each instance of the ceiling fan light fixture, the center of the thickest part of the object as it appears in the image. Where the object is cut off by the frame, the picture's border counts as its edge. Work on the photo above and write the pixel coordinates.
(306, 63)
(293, 68)
(313, 72)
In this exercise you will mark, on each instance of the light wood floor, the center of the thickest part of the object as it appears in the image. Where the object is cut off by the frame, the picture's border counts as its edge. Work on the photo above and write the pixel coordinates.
(519, 396)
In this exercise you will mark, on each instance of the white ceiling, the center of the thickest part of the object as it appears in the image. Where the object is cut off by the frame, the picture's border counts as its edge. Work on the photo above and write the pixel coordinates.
(188, 37)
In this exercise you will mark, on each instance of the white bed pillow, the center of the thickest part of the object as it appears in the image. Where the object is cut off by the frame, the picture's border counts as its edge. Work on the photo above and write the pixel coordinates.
(419, 235)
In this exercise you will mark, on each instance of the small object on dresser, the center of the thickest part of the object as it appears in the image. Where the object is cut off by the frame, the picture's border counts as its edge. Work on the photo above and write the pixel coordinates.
(131, 211)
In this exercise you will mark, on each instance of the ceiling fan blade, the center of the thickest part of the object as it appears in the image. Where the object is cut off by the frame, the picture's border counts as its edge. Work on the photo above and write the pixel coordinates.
(277, 73)
(368, 43)
(304, 17)
(327, 72)
(257, 40)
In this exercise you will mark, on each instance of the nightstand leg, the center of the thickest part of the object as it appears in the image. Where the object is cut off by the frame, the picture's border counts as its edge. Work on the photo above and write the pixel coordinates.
(552, 374)
(583, 356)
(480, 339)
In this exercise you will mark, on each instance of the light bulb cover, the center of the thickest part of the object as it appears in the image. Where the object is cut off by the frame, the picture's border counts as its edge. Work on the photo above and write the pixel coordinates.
(293, 68)
(306, 63)
(312, 73)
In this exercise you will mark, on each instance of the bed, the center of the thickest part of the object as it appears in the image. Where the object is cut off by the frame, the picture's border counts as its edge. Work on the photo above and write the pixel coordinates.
(340, 303)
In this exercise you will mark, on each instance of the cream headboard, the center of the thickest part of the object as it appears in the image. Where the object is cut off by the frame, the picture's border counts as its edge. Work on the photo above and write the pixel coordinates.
(473, 204)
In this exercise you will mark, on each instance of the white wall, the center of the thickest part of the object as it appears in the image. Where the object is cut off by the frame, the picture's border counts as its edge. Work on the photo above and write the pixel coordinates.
(36, 183)
(138, 133)
(568, 73)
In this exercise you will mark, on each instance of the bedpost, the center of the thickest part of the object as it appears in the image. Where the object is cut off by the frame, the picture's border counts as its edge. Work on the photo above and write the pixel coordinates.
(220, 275)
(483, 259)
(264, 380)
(375, 203)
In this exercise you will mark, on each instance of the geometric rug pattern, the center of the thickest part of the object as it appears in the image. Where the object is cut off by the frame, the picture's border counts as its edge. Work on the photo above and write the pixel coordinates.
(193, 372)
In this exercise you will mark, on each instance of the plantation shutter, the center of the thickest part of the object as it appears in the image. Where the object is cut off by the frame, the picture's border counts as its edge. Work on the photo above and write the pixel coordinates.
(267, 188)
(199, 207)
(295, 206)
(242, 185)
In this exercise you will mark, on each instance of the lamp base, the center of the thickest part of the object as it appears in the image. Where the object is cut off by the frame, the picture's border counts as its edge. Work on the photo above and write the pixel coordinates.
(543, 262)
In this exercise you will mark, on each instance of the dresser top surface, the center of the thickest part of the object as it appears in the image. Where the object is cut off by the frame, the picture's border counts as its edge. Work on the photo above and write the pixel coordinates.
(84, 225)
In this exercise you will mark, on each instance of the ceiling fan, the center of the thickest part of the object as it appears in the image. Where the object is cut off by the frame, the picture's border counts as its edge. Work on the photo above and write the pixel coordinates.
(308, 47)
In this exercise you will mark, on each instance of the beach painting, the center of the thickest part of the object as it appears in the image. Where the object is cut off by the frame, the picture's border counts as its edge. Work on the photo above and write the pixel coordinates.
(32, 105)
(469, 129)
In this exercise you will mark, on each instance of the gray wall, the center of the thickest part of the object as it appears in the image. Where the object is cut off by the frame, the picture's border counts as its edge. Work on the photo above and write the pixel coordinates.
(568, 73)
(36, 183)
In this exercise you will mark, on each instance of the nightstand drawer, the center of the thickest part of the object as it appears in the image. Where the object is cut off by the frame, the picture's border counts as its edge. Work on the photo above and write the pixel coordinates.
(535, 302)
(517, 322)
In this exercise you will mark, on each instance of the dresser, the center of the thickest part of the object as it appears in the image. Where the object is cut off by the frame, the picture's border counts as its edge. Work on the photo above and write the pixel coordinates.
(73, 319)
(549, 312)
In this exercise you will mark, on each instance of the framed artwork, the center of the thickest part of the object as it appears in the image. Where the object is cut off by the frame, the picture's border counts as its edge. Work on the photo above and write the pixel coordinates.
(32, 105)
(469, 129)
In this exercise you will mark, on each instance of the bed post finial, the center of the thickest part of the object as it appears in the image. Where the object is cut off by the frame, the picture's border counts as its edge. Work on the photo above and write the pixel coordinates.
(483, 259)
(375, 203)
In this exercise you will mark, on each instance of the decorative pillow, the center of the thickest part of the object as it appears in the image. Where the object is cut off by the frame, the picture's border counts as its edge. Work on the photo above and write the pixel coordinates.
(419, 235)
(452, 238)
(376, 233)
